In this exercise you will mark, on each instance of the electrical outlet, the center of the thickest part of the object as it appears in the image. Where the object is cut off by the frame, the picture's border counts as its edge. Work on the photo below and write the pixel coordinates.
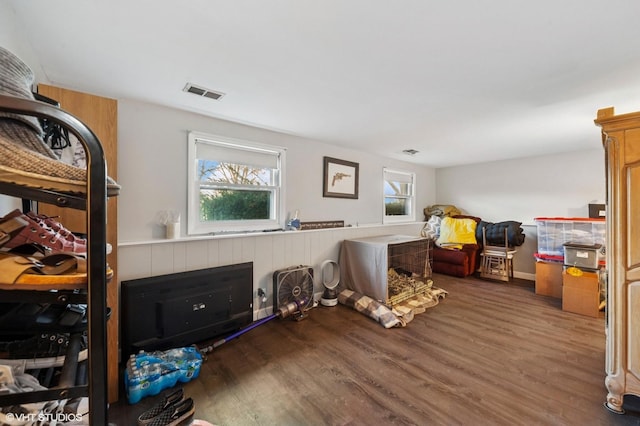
(262, 294)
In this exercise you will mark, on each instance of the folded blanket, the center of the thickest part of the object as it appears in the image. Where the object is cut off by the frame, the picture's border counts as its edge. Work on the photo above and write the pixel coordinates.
(442, 210)
(369, 307)
(495, 233)
(400, 315)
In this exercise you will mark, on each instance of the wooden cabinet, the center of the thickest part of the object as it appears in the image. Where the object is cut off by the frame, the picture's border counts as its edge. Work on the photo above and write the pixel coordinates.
(621, 140)
(101, 116)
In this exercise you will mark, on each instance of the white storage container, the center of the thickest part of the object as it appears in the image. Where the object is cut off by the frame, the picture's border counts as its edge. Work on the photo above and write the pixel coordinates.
(553, 233)
(582, 256)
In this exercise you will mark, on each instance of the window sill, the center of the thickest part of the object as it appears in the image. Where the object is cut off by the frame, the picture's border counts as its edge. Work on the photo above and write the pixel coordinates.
(194, 238)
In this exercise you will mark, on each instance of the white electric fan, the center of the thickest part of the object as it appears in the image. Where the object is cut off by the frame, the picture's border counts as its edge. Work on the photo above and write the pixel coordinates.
(330, 271)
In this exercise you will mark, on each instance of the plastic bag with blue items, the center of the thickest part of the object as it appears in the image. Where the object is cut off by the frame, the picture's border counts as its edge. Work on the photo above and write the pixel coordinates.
(148, 373)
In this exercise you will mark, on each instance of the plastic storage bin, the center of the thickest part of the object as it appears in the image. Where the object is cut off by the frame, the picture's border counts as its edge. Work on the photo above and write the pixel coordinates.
(582, 256)
(553, 233)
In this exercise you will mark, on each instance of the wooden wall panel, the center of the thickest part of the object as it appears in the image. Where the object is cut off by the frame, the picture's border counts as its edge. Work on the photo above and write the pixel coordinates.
(633, 217)
(632, 147)
(101, 116)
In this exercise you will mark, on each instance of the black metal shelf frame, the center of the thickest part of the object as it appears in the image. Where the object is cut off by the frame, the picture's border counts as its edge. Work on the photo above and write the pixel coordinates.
(94, 203)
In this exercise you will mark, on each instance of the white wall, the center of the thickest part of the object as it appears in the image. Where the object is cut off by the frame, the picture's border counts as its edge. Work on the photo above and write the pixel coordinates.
(560, 185)
(11, 40)
(152, 169)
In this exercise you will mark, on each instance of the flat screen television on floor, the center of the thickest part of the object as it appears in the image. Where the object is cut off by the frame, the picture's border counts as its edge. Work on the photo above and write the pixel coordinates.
(176, 310)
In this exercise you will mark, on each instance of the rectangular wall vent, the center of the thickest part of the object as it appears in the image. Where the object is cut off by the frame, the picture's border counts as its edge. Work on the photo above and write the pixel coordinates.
(201, 91)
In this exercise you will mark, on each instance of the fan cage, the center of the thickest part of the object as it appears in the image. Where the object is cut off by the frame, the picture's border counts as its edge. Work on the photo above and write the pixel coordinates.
(409, 270)
(298, 277)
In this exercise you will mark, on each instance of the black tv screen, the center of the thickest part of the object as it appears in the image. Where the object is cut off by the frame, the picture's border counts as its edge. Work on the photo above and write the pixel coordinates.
(176, 310)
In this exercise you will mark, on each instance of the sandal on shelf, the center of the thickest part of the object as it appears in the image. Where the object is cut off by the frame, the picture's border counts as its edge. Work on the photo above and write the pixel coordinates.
(54, 272)
(29, 249)
(61, 263)
(10, 228)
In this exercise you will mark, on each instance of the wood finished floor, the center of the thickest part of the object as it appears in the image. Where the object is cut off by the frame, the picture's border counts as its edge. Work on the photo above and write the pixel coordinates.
(489, 354)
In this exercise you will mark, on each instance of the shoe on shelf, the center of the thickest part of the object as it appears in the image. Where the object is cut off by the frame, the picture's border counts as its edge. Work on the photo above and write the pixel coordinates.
(45, 350)
(38, 232)
(57, 227)
(25, 158)
(28, 318)
(41, 234)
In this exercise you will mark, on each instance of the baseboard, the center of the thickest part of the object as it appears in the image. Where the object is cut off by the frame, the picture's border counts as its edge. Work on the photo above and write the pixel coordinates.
(262, 313)
(524, 275)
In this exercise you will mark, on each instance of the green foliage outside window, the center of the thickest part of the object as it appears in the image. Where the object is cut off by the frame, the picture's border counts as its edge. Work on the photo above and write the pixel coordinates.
(223, 204)
(235, 205)
(396, 208)
(235, 185)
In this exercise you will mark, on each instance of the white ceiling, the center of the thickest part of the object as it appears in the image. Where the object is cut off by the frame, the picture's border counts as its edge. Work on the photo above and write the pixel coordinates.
(461, 81)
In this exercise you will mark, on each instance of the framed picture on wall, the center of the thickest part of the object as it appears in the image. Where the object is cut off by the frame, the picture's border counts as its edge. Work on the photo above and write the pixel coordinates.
(340, 178)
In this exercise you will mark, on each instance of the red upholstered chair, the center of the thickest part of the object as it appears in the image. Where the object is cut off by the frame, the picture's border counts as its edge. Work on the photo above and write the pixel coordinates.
(460, 262)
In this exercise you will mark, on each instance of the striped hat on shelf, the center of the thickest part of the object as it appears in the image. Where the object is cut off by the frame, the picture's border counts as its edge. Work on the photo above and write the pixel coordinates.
(25, 158)
(16, 79)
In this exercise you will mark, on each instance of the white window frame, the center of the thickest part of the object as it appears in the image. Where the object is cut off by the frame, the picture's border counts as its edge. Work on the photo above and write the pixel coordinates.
(404, 176)
(194, 225)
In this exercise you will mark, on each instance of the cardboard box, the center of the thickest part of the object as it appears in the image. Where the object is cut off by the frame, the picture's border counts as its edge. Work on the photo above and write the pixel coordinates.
(549, 279)
(581, 295)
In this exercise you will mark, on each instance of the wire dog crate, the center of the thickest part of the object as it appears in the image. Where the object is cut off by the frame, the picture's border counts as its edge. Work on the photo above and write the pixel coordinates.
(387, 268)
(409, 270)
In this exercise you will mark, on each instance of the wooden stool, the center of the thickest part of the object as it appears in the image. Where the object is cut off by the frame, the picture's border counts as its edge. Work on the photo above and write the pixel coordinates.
(497, 261)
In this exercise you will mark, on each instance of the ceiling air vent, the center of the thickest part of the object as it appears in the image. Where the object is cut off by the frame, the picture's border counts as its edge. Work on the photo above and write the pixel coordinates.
(201, 91)
(410, 151)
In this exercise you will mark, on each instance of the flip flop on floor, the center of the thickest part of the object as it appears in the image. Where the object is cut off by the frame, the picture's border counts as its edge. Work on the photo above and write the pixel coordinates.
(54, 272)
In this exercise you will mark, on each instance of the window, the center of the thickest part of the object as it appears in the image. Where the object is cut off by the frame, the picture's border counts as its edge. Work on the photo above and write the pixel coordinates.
(399, 196)
(234, 185)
